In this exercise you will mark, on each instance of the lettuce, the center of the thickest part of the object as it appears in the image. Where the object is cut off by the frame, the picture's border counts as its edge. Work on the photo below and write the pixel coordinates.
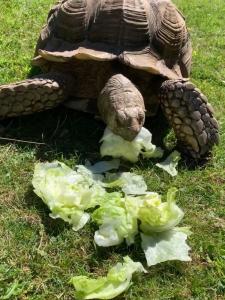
(115, 146)
(116, 282)
(103, 166)
(70, 194)
(170, 163)
(164, 246)
(117, 221)
(158, 216)
(67, 193)
(130, 184)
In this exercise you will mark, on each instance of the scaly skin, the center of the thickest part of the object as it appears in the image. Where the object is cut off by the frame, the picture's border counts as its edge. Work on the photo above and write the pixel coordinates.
(190, 115)
(120, 103)
(32, 95)
(121, 106)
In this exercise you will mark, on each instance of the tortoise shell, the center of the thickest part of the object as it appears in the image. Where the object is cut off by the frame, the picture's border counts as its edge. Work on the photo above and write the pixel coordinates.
(149, 35)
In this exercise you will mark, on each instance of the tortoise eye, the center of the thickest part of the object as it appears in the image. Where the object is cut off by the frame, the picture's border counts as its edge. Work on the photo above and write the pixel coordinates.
(141, 118)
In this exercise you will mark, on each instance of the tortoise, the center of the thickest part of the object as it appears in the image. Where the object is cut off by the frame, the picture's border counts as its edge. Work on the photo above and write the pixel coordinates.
(122, 59)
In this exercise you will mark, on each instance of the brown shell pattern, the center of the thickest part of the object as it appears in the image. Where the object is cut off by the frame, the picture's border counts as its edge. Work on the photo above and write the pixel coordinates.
(145, 34)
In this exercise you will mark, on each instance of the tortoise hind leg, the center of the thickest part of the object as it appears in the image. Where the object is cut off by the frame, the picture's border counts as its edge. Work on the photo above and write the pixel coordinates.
(32, 95)
(190, 115)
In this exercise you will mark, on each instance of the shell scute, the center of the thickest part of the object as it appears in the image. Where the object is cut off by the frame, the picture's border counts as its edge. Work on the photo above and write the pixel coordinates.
(144, 34)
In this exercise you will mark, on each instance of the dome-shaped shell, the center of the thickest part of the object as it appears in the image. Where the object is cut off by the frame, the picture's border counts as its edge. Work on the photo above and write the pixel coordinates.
(145, 34)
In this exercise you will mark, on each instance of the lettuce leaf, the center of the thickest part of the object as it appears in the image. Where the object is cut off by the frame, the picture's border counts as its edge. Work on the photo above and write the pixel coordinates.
(164, 246)
(116, 282)
(130, 183)
(117, 221)
(170, 163)
(115, 146)
(104, 166)
(158, 216)
(67, 193)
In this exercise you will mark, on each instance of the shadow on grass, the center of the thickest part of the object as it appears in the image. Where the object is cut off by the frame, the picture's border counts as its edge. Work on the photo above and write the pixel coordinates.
(66, 132)
(56, 133)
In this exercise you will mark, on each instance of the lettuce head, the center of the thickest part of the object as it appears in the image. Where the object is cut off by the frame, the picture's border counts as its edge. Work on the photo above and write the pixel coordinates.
(158, 216)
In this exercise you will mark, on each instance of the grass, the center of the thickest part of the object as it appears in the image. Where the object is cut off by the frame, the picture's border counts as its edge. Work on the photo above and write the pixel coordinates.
(38, 255)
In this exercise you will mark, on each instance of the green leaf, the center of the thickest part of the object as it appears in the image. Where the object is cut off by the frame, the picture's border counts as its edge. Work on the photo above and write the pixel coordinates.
(164, 246)
(170, 163)
(115, 146)
(158, 216)
(116, 219)
(67, 193)
(116, 282)
(130, 183)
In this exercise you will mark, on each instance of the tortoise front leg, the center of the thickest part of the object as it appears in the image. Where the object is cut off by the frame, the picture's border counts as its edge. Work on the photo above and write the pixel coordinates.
(121, 106)
(190, 116)
(32, 95)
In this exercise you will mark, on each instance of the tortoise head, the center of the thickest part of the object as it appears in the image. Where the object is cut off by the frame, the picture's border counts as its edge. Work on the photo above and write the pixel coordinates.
(121, 107)
(128, 122)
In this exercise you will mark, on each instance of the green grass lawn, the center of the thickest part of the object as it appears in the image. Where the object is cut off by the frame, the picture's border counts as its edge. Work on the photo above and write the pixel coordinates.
(39, 255)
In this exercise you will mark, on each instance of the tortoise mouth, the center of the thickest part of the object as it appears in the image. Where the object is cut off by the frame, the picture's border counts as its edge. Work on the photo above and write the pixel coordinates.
(128, 132)
(129, 125)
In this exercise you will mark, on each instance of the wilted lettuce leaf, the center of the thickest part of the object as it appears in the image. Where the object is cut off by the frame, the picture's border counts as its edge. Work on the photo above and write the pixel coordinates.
(158, 216)
(170, 163)
(116, 282)
(164, 246)
(115, 146)
(67, 193)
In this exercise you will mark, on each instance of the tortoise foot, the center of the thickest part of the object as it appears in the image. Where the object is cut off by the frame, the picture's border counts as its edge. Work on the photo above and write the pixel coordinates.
(191, 117)
(32, 95)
